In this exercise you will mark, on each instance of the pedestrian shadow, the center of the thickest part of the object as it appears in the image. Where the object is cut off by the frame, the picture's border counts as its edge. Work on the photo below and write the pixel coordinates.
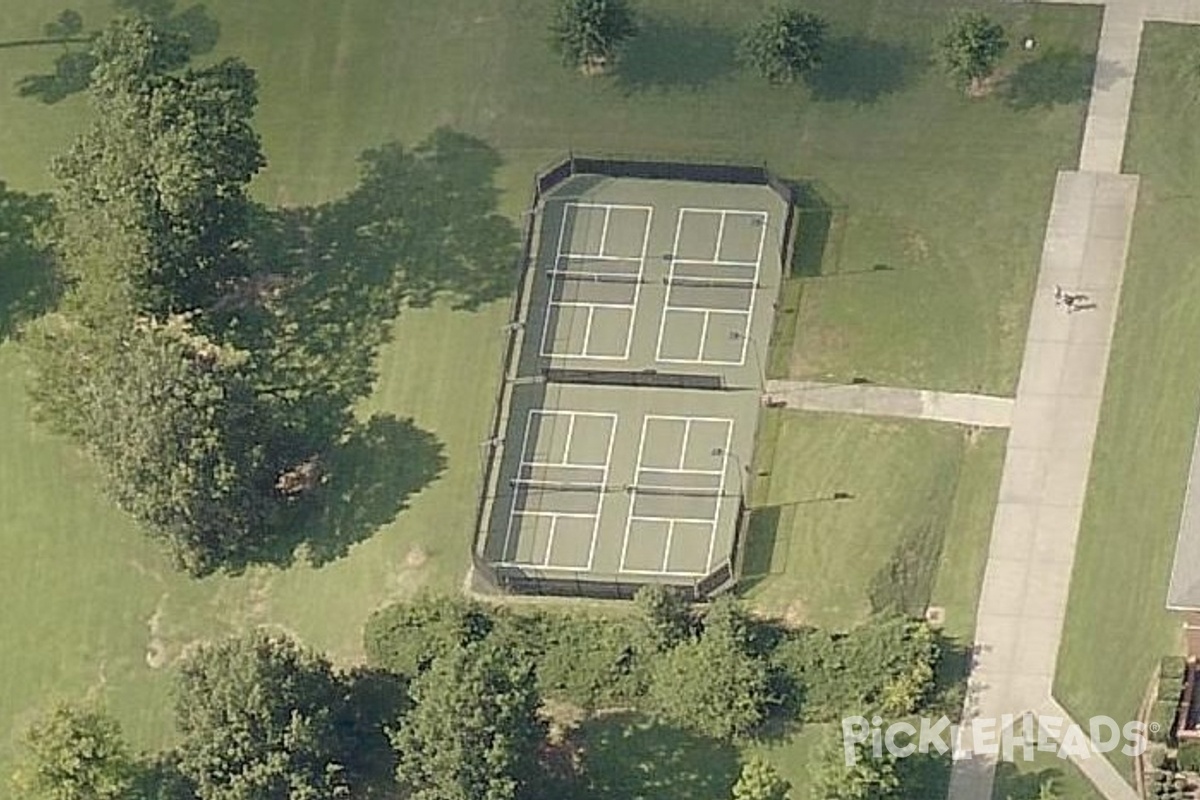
(1057, 77)
(676, 54)
(860, 70)
(29, 285)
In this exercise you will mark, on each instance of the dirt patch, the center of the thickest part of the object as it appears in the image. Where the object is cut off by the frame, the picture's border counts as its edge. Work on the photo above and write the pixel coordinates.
(156, 646)
(416, 557)
(795, 615)
(988, 85)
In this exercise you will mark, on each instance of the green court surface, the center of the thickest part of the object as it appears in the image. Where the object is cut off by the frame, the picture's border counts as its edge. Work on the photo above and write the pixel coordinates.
(633, 274)
(629, 413)
(610, 482)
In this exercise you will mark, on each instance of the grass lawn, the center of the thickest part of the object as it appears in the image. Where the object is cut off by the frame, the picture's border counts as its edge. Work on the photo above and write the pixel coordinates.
(914, 529)
(1023, 780)
(950, 195)
(1116, 627)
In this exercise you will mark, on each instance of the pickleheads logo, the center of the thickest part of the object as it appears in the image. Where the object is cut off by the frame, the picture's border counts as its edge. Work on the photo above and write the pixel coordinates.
(1009, 738)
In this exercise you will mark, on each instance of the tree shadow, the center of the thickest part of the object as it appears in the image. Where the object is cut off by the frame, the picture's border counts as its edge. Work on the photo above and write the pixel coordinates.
(29, 285)
(322, 288)
(430, 213)
(923, 775)
(676, 54)
(818, 222)
(950, 676)
(1012, 784)
(860, 70)
(194, 27)
(365, 480)
(1057, 77)
(373, 701)
(625, 756)
(762, 533)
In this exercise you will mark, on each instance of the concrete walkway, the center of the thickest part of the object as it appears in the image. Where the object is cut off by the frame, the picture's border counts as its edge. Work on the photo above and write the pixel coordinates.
(1023, 601)
(985, 411)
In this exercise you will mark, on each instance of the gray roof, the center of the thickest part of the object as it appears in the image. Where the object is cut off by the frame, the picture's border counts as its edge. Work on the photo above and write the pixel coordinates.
(1184, 592)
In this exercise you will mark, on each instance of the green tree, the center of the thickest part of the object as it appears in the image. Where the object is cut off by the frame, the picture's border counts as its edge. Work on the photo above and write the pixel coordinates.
(785, 44)
(665, 616)
(257, 716)
(474, 731)
(152, 196)
(172, 419)
(971, 47)
(75, 753)
(405, 638)
(760, 780)
(868, 778)
(714, 685)
(589, 33)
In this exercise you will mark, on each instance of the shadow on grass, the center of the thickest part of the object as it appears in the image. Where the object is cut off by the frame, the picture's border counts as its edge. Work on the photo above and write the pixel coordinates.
(860, 70)
(28, 284)
(325, 284)
(819, 228)
(1012, 784)
(762, 535)
(194, 26)
(676, 54)
(1057, 77)
(923, 776)
(625, 757)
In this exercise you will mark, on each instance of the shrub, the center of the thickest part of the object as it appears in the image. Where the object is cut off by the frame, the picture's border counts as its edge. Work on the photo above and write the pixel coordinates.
(879, 663)
(589, 33)
(1162, 721)
(589, 662)
(404, 638)
(785, 44)
(1188, 756)
(1171, 669)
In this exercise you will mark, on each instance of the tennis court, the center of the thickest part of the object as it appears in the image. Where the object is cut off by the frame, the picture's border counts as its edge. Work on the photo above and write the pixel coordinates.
(607, 480)
(629, 412)
(641, 275)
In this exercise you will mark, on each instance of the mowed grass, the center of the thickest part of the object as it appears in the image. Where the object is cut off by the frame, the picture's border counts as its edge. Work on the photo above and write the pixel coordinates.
(1023, 780)
(950, 194)
(1116, 627)
(911, 528)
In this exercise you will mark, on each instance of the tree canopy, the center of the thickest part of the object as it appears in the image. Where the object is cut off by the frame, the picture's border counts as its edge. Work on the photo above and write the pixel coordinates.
(971, 47)
(785, 44)
(713, 684)
(759, 780)
(474, 732)
(590, 33)
(75, 753)
(258, 718)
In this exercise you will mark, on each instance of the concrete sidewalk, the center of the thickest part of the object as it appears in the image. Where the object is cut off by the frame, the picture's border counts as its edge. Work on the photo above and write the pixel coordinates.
(884, 401)
(1024, 596)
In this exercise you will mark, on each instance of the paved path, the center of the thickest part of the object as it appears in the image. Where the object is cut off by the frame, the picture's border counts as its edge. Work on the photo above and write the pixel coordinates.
(1023, 601)
(986, 411)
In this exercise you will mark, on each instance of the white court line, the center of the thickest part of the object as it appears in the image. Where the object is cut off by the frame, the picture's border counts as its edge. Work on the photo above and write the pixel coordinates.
(719, 499)
(602, 257)
(514, 512)
(612, 437)
(716, 262)
(712, 540)
(545, 348)
(701, 356)
(720, 235)
(637, 290)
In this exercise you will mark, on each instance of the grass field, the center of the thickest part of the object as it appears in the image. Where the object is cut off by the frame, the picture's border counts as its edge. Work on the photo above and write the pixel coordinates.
(1023, 780)
(953, 208)
(1116, 625)
(914, 527)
